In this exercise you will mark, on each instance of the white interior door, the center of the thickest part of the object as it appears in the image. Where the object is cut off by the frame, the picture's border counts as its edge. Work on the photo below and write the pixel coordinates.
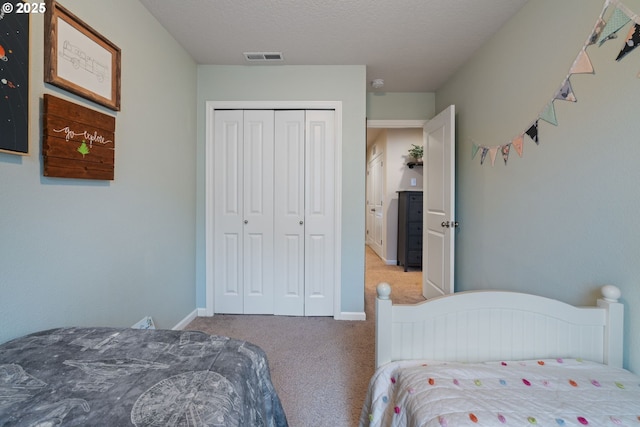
(289, 212)
(228, 211)
(225, 180)
(274, 214)
(319, 206)
(370, 209)
(377, 172)
(439, 199)
(258, 261)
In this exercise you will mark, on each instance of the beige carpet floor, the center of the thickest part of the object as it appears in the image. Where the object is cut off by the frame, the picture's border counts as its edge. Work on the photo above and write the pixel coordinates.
(320, 366)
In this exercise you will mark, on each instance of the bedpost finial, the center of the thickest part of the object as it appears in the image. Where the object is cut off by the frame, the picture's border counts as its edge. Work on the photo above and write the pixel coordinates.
(610, 293)
(384, 290)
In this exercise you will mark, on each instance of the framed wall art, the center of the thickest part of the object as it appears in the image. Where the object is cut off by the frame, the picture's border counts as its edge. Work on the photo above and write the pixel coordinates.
(79, 59)
(14, 82)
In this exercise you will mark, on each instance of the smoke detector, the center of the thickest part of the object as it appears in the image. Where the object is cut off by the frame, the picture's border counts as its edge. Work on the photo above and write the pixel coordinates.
(263, 56)
(377, 83)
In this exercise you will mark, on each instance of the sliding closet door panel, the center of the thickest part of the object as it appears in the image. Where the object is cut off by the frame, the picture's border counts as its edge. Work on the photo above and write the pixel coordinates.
(289, 213)
(258, 211)
(228, 210)
(319, 222)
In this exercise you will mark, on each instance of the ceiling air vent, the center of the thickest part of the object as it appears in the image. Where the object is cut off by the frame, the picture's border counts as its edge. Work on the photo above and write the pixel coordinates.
(263, 56)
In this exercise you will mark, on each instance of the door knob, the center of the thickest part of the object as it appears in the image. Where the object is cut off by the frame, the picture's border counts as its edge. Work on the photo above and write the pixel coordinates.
(301, 222)
(246, 221)
(452, 224)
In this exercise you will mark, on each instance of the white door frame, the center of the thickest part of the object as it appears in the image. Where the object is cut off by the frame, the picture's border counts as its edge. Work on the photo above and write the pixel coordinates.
(210, 108)
(395, 124)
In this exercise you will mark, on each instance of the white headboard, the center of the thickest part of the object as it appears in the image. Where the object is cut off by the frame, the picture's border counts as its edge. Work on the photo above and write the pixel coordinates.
(479, 326)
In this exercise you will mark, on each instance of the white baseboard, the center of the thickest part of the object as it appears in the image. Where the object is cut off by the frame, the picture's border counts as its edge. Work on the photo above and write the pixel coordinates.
(391, 262)
(202, 312)
(184, 322)
(352, 315)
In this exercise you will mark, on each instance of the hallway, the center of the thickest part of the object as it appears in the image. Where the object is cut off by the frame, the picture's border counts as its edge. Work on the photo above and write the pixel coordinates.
(406, 287)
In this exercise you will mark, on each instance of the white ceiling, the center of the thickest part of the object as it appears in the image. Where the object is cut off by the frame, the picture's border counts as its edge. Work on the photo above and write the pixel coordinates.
(414, 45)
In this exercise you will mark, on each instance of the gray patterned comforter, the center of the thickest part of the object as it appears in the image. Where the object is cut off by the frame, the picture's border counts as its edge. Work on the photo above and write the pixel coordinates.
(124, 377)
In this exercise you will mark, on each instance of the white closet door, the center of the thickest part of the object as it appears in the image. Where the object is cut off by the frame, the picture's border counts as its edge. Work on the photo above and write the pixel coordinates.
(319, 206)
(258, 211)
(274, 225)
(228, 212)
(289, 213)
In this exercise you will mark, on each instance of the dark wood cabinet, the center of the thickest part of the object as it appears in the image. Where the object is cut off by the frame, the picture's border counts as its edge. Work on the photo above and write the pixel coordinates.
(410, 229)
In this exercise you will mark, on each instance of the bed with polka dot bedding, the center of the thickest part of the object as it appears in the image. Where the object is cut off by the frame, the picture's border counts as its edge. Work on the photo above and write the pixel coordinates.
(546, 392)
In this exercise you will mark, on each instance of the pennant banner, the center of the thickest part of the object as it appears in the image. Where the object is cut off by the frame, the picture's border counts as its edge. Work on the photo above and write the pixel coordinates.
(492, 153)
(483, 156)
(633, 40)
(582, 64)
(603, 30)
(566, 92)
(517, 143)
(597, 30)
(505, 152)
(618, 20)
(533, 132)
(549, 114)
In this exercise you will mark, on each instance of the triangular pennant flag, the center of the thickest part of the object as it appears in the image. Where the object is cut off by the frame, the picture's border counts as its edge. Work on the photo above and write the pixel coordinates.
(633, 40)
(597, 30)
(566, 92)
(617, 20)
(493, 151)
(518, 143)
(533, 133)
(483, 156)
(505, 153)
(549, 114)
(474, 150)
(582, 64)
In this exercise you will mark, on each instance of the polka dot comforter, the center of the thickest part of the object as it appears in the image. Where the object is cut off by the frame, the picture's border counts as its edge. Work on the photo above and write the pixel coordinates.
(549, 392)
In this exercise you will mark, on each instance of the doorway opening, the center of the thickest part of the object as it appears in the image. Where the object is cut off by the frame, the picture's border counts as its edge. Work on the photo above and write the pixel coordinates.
(388, 142)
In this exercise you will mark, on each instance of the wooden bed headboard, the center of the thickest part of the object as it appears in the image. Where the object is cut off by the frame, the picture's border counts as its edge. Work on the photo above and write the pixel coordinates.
(477, 326)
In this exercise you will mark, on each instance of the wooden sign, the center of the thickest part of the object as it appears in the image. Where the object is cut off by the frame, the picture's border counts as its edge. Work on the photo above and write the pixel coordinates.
(77, 142)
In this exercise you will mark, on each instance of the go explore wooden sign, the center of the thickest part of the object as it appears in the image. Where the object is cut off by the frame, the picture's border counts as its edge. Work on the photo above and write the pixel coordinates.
(77, 142)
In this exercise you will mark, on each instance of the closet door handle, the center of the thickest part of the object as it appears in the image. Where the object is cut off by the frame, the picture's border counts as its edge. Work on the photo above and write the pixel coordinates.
(301, 222)
(246, 221)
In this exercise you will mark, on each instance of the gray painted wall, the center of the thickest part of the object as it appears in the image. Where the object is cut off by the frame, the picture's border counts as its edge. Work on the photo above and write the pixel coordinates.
(562, 220)
(80, 252)
(400, 105)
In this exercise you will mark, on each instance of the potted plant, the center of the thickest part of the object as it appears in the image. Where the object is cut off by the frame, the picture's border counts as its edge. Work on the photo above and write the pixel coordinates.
(416, 151)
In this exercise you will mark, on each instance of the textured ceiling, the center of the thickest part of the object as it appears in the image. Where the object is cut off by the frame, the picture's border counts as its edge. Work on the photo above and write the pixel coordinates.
(414, 45)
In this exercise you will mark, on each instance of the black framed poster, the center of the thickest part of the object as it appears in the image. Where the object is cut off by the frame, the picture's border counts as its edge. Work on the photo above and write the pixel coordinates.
(14, 82)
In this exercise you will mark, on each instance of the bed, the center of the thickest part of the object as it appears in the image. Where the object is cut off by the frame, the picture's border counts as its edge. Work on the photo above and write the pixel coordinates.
(120, 377)
(496, 358)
